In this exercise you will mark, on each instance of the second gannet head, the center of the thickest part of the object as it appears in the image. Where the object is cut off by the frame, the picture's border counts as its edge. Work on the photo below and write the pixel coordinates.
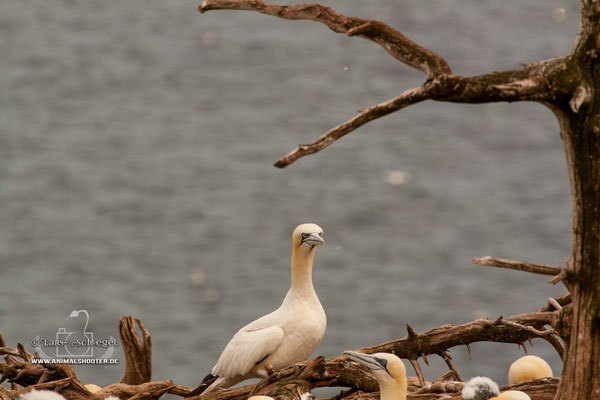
(512, 395)
(479, 388)
(388, 369)
(528, 368)
(307, 236)
(93, 387)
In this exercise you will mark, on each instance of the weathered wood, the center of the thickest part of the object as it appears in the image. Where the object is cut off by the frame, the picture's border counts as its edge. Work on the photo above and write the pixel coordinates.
(138, 351)
(289, 383)
(398, 45)
(518, 265)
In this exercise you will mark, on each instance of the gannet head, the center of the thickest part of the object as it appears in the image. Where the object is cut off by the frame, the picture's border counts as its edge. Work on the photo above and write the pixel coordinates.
(386, 367)
(479, 388)
(308, 235)
(512, 395)
(93, 388)
(528, 368)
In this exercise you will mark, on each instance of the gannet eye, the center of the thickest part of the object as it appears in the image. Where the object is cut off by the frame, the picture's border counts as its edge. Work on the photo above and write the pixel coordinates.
(305, 235)
(382, 362)
(321, 234)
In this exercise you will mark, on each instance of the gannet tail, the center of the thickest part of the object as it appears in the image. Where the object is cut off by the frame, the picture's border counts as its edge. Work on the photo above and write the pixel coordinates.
(207, 382)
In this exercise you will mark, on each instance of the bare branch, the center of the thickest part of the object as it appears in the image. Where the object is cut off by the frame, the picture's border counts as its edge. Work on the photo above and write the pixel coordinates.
(549, 318)
(493, 87)
(531, 329)
(561, 276)
(8, 351)
(443, 338)
(147, 390)
(448, 359)
(554, 303)
(535, 82)
(407, 98)
(398, 45)
(518, 265)
(417, 368)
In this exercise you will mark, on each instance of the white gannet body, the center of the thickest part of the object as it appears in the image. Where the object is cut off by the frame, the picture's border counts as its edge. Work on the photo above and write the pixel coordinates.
(388, 369)
(287, 335)
(512, 395)
(528, 368)
(479, 388)
(41, 395)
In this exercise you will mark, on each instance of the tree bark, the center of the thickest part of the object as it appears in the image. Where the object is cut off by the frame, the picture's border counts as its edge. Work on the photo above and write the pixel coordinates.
(579, 121)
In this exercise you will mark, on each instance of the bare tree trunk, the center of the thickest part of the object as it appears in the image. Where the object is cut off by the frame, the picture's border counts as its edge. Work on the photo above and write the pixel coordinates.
(581, 368)
(581, 136)
(580, 131)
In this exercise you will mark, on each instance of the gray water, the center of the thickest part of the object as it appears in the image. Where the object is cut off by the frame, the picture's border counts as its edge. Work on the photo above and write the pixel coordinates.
(136, 145)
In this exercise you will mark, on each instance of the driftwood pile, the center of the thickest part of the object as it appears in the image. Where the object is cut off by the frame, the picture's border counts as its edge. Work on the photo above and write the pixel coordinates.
(18, 370)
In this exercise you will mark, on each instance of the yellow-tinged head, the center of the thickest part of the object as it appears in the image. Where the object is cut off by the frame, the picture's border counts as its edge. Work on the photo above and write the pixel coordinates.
(388, 369)
(307, 236)
(512, 395)
(528, 368)
(93, 388)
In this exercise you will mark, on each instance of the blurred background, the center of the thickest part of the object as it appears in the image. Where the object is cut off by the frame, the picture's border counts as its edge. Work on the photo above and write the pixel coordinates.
(136, 148)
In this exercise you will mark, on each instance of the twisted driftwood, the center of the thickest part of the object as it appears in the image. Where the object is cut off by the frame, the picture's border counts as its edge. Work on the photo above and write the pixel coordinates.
(295, 381)
(138, 357)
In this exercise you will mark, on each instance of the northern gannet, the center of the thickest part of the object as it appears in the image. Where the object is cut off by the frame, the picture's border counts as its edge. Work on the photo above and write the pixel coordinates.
(287, 335)
(528, 368)
(388, 369)
(512, 395)
(479, 388)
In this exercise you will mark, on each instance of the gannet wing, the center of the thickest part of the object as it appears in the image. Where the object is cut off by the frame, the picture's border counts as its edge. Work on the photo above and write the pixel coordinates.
(246, 349)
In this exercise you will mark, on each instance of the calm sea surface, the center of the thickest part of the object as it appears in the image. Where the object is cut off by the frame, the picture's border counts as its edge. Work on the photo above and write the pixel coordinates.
(136, 144)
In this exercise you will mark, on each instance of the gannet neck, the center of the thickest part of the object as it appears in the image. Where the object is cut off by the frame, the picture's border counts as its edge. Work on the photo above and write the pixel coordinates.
(392, 391)
(302, 264)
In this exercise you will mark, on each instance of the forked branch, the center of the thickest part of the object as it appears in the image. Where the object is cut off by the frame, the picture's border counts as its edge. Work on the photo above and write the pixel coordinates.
(534, 82)
(398, 45)
(138, 351)
(518, 85)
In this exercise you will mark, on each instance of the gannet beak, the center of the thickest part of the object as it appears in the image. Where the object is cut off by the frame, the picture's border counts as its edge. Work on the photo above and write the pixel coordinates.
(369, 361)
(314, 239)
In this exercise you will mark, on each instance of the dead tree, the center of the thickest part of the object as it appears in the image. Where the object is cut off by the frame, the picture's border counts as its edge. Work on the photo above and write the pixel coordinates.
(568, 86)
